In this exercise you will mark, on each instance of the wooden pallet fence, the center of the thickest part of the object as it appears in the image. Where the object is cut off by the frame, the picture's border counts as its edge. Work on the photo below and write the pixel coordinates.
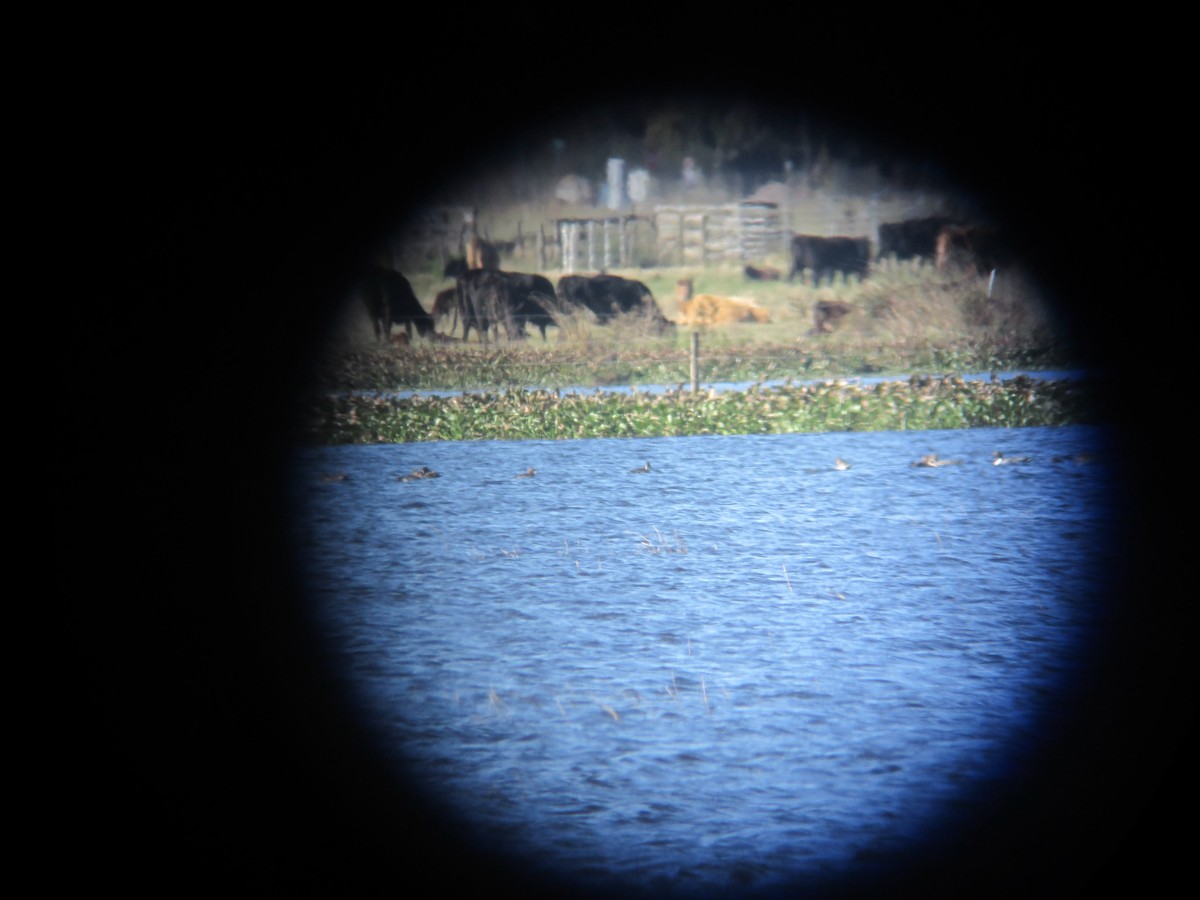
(701, 235)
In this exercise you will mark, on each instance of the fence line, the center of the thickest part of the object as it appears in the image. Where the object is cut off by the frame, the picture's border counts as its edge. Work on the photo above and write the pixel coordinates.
(699, 235)
(578, 243)
(680, 234)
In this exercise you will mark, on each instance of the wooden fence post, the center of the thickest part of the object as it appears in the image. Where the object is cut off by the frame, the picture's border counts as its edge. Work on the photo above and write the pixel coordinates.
(695, 355)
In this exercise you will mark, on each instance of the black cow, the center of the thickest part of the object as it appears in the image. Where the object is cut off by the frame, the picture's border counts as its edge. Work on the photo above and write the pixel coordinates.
(526, 288)
(455, 267)
(912, 238)
(530, 300)
(610, 295)
(443, 305)
(482, 301)
(826, 255)
(390, 300)
(489, 299)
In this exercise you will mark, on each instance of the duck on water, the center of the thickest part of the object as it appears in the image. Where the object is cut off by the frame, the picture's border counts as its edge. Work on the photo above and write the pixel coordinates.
(1002, 460)
(417, 474)
(931, 461)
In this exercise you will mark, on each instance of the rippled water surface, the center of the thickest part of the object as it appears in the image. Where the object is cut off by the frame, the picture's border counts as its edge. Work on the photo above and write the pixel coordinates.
(738, 668)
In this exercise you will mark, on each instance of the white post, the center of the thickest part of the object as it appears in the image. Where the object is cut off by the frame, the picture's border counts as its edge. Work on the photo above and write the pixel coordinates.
(616, 183)
(566, 240)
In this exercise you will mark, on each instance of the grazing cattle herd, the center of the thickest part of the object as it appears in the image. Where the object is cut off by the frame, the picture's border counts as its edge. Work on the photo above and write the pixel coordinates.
(487, 300)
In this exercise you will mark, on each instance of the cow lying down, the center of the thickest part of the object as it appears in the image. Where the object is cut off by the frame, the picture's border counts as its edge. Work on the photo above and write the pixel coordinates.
(705, 309)
(827, 314)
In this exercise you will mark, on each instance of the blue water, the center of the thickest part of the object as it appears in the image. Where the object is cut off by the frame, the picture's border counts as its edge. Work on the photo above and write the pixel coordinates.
(741, 668)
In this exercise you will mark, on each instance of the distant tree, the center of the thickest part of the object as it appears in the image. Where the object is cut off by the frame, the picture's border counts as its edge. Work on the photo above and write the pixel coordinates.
(674, 132)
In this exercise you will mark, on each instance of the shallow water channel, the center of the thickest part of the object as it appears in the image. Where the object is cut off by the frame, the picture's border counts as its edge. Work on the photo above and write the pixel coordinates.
(740, 668)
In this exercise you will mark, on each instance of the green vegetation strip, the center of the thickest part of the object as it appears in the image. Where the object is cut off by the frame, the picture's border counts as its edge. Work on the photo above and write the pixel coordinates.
(469, 367)
(916, 404)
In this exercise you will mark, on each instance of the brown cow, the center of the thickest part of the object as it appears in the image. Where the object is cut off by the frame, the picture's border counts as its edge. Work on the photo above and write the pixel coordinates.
(826, 313)
(446, 304)
(766, 273)
(683, 290)
(480, 254)
(705, 309)
(975, 249)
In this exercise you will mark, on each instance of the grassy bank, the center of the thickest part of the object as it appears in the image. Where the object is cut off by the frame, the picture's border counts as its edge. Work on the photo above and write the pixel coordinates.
(918, 403)
(903, 319)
